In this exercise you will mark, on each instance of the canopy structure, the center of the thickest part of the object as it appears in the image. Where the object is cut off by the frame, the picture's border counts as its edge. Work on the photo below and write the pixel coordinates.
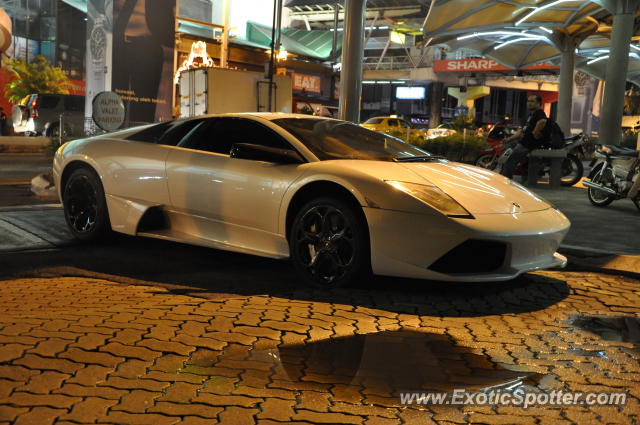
(455, 17)
(522, 32)
(313, 44)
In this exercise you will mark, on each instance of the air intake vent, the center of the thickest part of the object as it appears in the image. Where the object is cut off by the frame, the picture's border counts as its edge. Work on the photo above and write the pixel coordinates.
(472, 256)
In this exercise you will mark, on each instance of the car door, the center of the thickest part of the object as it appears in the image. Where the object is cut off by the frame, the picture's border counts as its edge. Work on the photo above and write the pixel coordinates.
(229, 200)
(405, 128)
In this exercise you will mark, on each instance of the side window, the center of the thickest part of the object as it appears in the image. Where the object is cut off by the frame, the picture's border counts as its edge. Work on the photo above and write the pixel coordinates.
(221, 134)
(74, 103)
(150, 134)
(392, 123)
(48, 102)
(174, 134)
(404, 124)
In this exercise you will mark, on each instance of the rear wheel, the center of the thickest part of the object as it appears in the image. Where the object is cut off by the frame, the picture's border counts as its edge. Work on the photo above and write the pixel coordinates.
(598, 197)
(329, 243)
(572, 170)
(85, 207)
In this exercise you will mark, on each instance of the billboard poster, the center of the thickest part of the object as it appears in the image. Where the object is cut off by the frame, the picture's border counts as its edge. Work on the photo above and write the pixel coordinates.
(99, 50)
(584, 92)
(143, 49)
(19, 48)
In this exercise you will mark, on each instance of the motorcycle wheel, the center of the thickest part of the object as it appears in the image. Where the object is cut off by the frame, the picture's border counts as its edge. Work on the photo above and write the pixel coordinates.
(572, 170)
(487, 161)
(597, 197)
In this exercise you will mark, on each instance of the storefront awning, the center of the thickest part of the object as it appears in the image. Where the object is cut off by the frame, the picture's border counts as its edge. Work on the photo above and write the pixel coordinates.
(313, 44)
(81, 5)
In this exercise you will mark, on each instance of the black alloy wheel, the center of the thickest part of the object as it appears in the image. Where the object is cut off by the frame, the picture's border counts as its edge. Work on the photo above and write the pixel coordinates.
(85, 208)
(329, 244)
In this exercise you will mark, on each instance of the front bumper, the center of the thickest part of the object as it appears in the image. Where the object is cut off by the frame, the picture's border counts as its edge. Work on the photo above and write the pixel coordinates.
(409, 245)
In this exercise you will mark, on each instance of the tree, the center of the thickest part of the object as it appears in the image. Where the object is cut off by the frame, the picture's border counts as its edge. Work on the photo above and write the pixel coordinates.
(35, 77)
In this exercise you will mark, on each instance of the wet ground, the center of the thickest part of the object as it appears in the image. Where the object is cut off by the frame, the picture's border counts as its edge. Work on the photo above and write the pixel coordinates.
(200, 346)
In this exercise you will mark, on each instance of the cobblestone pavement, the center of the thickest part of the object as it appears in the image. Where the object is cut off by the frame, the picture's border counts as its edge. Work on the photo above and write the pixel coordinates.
(90, 349)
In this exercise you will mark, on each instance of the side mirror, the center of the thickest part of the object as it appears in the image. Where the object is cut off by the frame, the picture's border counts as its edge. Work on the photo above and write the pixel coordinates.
(265, 153)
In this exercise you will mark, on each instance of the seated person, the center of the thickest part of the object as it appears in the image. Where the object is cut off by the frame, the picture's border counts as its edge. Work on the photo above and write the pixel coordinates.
(524, 141)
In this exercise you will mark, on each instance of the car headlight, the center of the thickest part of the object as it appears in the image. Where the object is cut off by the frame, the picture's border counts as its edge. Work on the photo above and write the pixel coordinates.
(434, 197)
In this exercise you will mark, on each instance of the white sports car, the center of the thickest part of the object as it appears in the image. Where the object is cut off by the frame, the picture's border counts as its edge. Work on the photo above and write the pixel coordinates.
(341, 201)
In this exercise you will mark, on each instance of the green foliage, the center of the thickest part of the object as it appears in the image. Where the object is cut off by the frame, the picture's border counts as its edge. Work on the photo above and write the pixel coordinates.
(36, 77)
(461, 122)
(456, 147)
(413, 137)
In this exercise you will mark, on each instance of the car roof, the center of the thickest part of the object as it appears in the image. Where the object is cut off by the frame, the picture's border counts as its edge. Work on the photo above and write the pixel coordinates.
(264, 115)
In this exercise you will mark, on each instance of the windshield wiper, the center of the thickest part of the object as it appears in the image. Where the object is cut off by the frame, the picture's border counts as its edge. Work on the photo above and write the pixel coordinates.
(418, 158)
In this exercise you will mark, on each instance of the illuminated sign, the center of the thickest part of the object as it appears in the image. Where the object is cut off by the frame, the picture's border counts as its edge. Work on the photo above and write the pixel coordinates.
(198, 58)
(481, 65)
(410, 92)
(308, 83)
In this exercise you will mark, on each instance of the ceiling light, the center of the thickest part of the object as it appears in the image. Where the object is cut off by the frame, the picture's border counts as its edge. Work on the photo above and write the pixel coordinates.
(538, 9)
(597, 59)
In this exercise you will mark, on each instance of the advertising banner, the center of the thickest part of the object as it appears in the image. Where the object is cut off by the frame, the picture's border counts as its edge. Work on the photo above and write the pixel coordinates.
(481, 65)
(99, 50)
(143, 49)
(308, 83)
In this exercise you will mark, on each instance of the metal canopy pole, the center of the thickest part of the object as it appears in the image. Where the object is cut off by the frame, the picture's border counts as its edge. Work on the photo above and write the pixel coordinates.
(224, 51)
(567, 45)
(352, 58)
(617, 68)
(334, 41)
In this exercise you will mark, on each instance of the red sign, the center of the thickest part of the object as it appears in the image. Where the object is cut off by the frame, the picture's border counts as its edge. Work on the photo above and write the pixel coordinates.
(481, 65)
(308, 83)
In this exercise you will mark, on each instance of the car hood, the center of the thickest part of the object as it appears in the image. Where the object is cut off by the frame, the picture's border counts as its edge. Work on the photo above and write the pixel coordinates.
(478, 190)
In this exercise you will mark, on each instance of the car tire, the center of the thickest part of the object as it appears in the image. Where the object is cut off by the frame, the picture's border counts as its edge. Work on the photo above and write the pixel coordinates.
(574, 163)
(597, 197)
(54, 131)
(329, 244)
(85, 207)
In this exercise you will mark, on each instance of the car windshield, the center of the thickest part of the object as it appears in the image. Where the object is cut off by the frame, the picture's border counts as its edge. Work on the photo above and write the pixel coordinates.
(373, 121)
(333, 139)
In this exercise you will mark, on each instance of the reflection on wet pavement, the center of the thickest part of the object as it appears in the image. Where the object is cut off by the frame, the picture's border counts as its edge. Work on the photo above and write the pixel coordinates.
(383, 364)
(611, 328)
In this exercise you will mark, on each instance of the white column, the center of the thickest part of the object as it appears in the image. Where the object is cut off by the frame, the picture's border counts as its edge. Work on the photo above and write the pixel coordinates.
(616, 78)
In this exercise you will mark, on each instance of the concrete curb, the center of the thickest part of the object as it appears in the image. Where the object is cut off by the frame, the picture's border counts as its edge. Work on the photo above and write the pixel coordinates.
(580, 258)
(20, 144)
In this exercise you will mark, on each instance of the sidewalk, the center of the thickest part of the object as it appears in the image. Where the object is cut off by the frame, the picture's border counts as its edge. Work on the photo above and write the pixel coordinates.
(599, 238)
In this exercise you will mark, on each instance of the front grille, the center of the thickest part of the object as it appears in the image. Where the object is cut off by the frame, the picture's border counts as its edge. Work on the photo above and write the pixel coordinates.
(472, 256)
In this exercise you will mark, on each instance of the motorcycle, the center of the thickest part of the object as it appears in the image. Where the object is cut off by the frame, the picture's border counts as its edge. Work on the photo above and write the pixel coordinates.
(572, 168)
(616, 175)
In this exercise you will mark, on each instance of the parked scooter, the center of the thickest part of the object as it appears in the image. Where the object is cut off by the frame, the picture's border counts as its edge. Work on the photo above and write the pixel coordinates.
(616, 175)
(572, 168)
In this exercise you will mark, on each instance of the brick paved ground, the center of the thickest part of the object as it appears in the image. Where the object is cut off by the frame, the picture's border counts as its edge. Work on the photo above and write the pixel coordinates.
(77, 350)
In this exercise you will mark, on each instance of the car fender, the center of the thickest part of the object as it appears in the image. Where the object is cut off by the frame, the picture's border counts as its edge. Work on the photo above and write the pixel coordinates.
(307, 179)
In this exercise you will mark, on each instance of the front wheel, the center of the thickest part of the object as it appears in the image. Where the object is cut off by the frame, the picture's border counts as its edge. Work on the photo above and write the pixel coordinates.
(488, 161)
(598, 197)
(572, 170)
(329, 243)
(85, 207)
